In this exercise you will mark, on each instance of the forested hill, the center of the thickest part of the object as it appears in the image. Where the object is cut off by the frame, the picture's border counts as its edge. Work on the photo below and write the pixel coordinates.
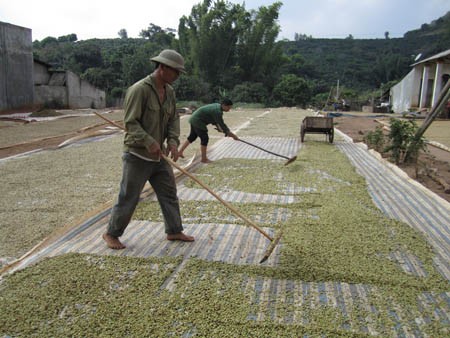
(357, 64)
(368, 63)
(235, 53)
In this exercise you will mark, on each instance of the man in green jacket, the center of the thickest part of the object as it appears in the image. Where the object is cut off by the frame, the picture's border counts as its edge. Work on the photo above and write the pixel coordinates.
(209, 114)
(152, 128)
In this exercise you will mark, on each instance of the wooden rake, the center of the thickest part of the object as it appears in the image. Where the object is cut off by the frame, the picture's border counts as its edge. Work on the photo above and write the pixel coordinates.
(273, 240)
(289, 159)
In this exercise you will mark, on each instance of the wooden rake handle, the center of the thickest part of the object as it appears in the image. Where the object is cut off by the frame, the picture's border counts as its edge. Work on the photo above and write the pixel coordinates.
(220, 199)
(187, 173)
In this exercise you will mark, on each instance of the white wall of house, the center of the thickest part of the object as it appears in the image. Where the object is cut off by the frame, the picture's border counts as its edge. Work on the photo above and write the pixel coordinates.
(421, 87)
(405, 94)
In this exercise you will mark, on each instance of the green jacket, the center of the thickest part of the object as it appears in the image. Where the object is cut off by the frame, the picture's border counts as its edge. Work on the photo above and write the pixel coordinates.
(147, 120)
(209, 114)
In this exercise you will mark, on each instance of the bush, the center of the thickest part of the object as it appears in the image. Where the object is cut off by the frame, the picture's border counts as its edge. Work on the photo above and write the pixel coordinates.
(292, 91)
(250, 92)
(375, 139)
(401, 137)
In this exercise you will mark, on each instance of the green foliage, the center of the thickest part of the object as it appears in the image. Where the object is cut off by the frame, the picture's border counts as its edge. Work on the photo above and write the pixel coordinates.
(68, 38)
(401, 136)
(375, 139)
(292, 91)
(123, 34)
(208, 38)
(258, 55)
(250, 92)
(228, 47)
(49, 41)
(190, 87)
(117, 93)
(162, 37)
(90, 56)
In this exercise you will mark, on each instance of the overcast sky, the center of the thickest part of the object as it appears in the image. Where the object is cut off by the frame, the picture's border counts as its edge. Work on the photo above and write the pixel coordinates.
(364, 19)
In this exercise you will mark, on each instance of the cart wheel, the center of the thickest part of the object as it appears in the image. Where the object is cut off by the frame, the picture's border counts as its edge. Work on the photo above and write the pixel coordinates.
(302, 134)
(331, 136)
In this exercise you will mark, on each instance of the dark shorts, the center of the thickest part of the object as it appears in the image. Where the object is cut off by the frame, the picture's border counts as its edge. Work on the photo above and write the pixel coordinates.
(202, 134)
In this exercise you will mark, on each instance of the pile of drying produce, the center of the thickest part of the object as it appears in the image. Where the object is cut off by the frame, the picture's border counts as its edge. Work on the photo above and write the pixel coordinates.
(333, 235)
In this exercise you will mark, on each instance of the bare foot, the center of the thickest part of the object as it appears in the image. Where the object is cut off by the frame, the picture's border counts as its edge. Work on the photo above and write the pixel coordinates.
(113, 242)
(180, 154)
(180, 237)
(206, 161)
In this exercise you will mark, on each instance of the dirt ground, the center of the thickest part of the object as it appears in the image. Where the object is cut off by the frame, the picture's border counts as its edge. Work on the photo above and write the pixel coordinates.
(434, 164)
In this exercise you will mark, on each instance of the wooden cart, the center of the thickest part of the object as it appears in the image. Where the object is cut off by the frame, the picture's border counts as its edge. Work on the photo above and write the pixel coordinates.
(317, 125)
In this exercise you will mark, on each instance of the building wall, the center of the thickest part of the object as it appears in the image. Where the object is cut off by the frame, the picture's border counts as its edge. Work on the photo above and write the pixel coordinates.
(64, 89)
(421, 88)
(81, 94)
(51, 96)
(16, 67)
(49, 88)
(41, 74)
(402, 94)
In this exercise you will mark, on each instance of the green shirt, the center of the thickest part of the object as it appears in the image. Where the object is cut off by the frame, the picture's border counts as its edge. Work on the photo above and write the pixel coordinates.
(209, 114)
(147, 120)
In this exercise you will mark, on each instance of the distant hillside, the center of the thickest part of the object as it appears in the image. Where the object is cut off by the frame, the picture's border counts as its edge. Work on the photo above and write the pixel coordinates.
(438, 34)
(364, 64)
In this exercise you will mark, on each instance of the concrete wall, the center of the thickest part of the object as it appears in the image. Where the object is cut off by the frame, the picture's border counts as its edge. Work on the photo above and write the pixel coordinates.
(26, 83)
(41, 74)
(49, 89)
(16, 67)
(59, 89)
(81, 94)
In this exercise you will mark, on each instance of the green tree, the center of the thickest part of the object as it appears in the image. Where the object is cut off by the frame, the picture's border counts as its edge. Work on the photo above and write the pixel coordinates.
(155, 34)
(259, 56)
(49, 40)
(250, 92)
(401, 136)
(68, 38)
(123, 34)
(136, 65)
(89, 56)
(103, 78)
(292, 91)
(53, 52)
(190, 87)
(226, 45)
(208, 38)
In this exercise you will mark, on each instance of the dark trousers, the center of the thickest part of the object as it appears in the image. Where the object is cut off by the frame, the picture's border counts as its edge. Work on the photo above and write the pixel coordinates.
(136, 172)
(202, 134)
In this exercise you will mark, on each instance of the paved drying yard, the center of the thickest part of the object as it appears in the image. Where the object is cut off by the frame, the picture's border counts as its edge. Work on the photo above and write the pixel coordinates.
(364, 252)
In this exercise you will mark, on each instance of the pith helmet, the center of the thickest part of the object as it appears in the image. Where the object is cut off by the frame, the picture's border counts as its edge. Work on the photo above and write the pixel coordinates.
(170, 58)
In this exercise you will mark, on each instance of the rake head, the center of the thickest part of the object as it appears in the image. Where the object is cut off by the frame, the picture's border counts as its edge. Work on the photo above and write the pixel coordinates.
(271, 247)
(292, 159)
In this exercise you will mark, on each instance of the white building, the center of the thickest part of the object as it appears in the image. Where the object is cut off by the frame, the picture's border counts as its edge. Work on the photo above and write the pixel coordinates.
(420, 88)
